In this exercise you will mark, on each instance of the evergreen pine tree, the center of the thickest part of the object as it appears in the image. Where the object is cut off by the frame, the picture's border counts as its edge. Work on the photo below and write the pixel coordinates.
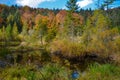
(9, 32)
(72, 8)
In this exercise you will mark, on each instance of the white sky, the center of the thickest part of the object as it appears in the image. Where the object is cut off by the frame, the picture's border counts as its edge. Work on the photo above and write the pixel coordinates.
(84, 3)
(35, 3)
(31, 3)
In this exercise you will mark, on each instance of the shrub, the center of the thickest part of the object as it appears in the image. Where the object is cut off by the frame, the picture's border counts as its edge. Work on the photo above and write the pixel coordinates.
(67, 47)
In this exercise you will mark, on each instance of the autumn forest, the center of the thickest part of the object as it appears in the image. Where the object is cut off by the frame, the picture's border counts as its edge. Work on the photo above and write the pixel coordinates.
(60, 44)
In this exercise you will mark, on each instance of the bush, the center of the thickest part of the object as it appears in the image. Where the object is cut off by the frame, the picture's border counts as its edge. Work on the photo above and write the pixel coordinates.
(67, 47)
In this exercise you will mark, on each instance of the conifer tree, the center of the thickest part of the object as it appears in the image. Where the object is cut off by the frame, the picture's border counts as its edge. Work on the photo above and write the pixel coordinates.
(9, 32)
(10, 20)
(107, 3)
(104, 4)
(72, 8)
(24, 29)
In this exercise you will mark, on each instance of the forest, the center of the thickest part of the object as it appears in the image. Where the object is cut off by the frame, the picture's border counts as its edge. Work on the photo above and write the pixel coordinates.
(60, 44)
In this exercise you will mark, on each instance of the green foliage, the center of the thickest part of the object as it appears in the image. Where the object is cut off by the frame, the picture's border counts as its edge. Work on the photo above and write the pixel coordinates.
(51, 34)
(98, 35)
(24, 29)
(9, 32)
(39, 31)
(18, 20)
(19, 73)
(54, 72)
(70, 20)
(15, 31)
(68, 27)
(72, 26)
(1, 34)
(72, 6)
(15, 18)
(49, 71)
(117, 44)
(102, 72)
(107, 3)
(4, 36)
(104, 4)
(10, 20)
(45, 56)
(42, 27)
(4, 52)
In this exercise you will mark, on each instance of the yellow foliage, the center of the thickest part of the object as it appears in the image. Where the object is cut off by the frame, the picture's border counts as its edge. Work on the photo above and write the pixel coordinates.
(98, 37)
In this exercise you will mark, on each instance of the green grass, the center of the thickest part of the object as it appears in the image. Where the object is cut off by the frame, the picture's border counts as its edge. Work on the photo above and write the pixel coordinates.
(102, 72)
(30, 72)
(18, 73)
(54, 72)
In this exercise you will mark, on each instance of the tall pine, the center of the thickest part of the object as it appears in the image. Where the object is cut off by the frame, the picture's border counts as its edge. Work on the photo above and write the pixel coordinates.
(72, 8)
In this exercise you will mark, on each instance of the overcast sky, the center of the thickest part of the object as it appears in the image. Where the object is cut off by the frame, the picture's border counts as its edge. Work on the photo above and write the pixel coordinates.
(51, 3)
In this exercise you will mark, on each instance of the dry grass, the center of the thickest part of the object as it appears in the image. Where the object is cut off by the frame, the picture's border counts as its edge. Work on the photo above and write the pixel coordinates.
(67, 47)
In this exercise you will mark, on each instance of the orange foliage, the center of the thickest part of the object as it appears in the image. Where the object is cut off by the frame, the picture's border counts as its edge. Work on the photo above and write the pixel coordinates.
(60, 17)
